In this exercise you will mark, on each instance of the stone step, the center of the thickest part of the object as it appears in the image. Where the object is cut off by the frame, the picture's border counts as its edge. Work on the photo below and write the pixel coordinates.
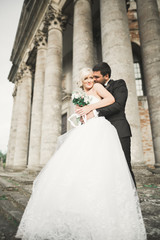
(12, 184)
(22, 178)
(10, 210)
(6, 183)
(14, 196)
(26, 190)
(8, 229)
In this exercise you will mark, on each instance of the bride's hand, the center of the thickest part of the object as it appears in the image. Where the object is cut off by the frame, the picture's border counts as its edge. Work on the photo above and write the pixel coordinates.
(84, 110)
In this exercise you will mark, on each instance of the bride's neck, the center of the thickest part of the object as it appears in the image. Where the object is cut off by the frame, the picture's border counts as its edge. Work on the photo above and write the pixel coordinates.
(87, 90)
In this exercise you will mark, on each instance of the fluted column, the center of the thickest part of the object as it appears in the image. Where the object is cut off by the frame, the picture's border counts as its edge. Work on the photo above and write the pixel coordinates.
(116, 51)
(12, 136)
(149, 27)
(51, 125)
(23, 121)
(83, 53)
(158, 2)
(36, 117)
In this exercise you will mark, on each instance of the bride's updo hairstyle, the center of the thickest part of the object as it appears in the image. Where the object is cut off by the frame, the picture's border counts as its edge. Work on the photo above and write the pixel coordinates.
(84, 72)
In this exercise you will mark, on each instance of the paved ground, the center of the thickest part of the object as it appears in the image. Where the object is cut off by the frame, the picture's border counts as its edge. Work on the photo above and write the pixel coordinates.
(7, 229)
(15, 189)
(148, 186)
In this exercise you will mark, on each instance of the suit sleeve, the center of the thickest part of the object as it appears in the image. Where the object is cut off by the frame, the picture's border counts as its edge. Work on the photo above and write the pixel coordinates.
(120, 94)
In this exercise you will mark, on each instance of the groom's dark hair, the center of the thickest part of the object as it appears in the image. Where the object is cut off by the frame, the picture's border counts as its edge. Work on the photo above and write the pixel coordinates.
(103, 67)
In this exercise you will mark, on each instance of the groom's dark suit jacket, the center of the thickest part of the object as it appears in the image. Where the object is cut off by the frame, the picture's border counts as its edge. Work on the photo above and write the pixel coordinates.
(115, 112)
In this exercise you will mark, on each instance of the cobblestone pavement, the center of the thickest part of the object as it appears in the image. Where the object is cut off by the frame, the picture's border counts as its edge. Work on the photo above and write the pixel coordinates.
(15, 189)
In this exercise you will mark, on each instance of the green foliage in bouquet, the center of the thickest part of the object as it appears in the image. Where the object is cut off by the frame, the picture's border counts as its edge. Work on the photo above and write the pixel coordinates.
(80, 98)
(80, 102)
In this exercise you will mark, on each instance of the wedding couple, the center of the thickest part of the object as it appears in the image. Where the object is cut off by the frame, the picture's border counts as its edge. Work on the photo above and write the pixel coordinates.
(86, 190)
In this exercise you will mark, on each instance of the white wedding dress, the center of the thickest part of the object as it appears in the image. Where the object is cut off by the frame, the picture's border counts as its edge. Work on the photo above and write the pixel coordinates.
(85, 191)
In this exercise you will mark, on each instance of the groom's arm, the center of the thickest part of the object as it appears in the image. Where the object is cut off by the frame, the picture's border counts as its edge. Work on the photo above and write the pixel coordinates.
(120, 94)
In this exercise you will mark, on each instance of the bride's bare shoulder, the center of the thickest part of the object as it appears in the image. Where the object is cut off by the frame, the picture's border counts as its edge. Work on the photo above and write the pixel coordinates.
(98, 86)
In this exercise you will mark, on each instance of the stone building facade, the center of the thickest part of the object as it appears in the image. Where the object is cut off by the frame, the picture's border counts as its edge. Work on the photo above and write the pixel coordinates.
(54, 40)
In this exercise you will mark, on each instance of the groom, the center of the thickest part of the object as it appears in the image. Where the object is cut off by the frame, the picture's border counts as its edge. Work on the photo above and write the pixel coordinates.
(115, 113)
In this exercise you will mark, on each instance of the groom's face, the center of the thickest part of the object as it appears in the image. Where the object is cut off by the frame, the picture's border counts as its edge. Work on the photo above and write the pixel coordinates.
(99, 78)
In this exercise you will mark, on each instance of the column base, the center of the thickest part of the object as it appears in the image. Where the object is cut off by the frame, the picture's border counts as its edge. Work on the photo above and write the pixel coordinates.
(15, 168)
(138, 165)
(157, 165)
(155, 170)
(33, 168)
(8, 168)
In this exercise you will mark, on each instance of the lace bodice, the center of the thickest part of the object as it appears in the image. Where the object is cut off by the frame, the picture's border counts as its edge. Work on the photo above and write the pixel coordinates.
(94, 99)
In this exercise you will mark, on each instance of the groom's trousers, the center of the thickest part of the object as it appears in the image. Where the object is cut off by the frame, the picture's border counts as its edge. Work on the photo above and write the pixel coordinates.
(126, 146)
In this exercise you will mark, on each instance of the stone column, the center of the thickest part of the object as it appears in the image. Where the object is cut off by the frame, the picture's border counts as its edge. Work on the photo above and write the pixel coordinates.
(158, 2)
(83, 53)
(23, 121)
(149, 27)
(36, 117)
(51, 125)
(116, 51)
(12, 137)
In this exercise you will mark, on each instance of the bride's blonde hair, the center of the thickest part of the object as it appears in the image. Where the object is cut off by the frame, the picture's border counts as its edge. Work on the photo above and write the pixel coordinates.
(83, 73)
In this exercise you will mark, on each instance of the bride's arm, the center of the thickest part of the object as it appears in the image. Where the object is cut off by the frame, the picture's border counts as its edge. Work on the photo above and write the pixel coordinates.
(88, 115)
(107, 99)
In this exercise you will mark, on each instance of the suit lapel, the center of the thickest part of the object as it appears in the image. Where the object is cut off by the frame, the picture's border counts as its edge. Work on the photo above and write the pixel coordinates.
(109, 85)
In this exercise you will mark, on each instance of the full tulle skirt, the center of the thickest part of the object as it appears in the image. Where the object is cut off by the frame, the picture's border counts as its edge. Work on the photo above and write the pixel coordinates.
(85, 191)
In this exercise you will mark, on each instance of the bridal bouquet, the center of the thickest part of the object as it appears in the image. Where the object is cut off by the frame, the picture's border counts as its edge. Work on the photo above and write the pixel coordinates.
(80, 98)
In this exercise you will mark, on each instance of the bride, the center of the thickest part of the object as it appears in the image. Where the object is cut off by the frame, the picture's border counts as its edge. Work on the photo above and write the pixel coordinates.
(85, 191)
